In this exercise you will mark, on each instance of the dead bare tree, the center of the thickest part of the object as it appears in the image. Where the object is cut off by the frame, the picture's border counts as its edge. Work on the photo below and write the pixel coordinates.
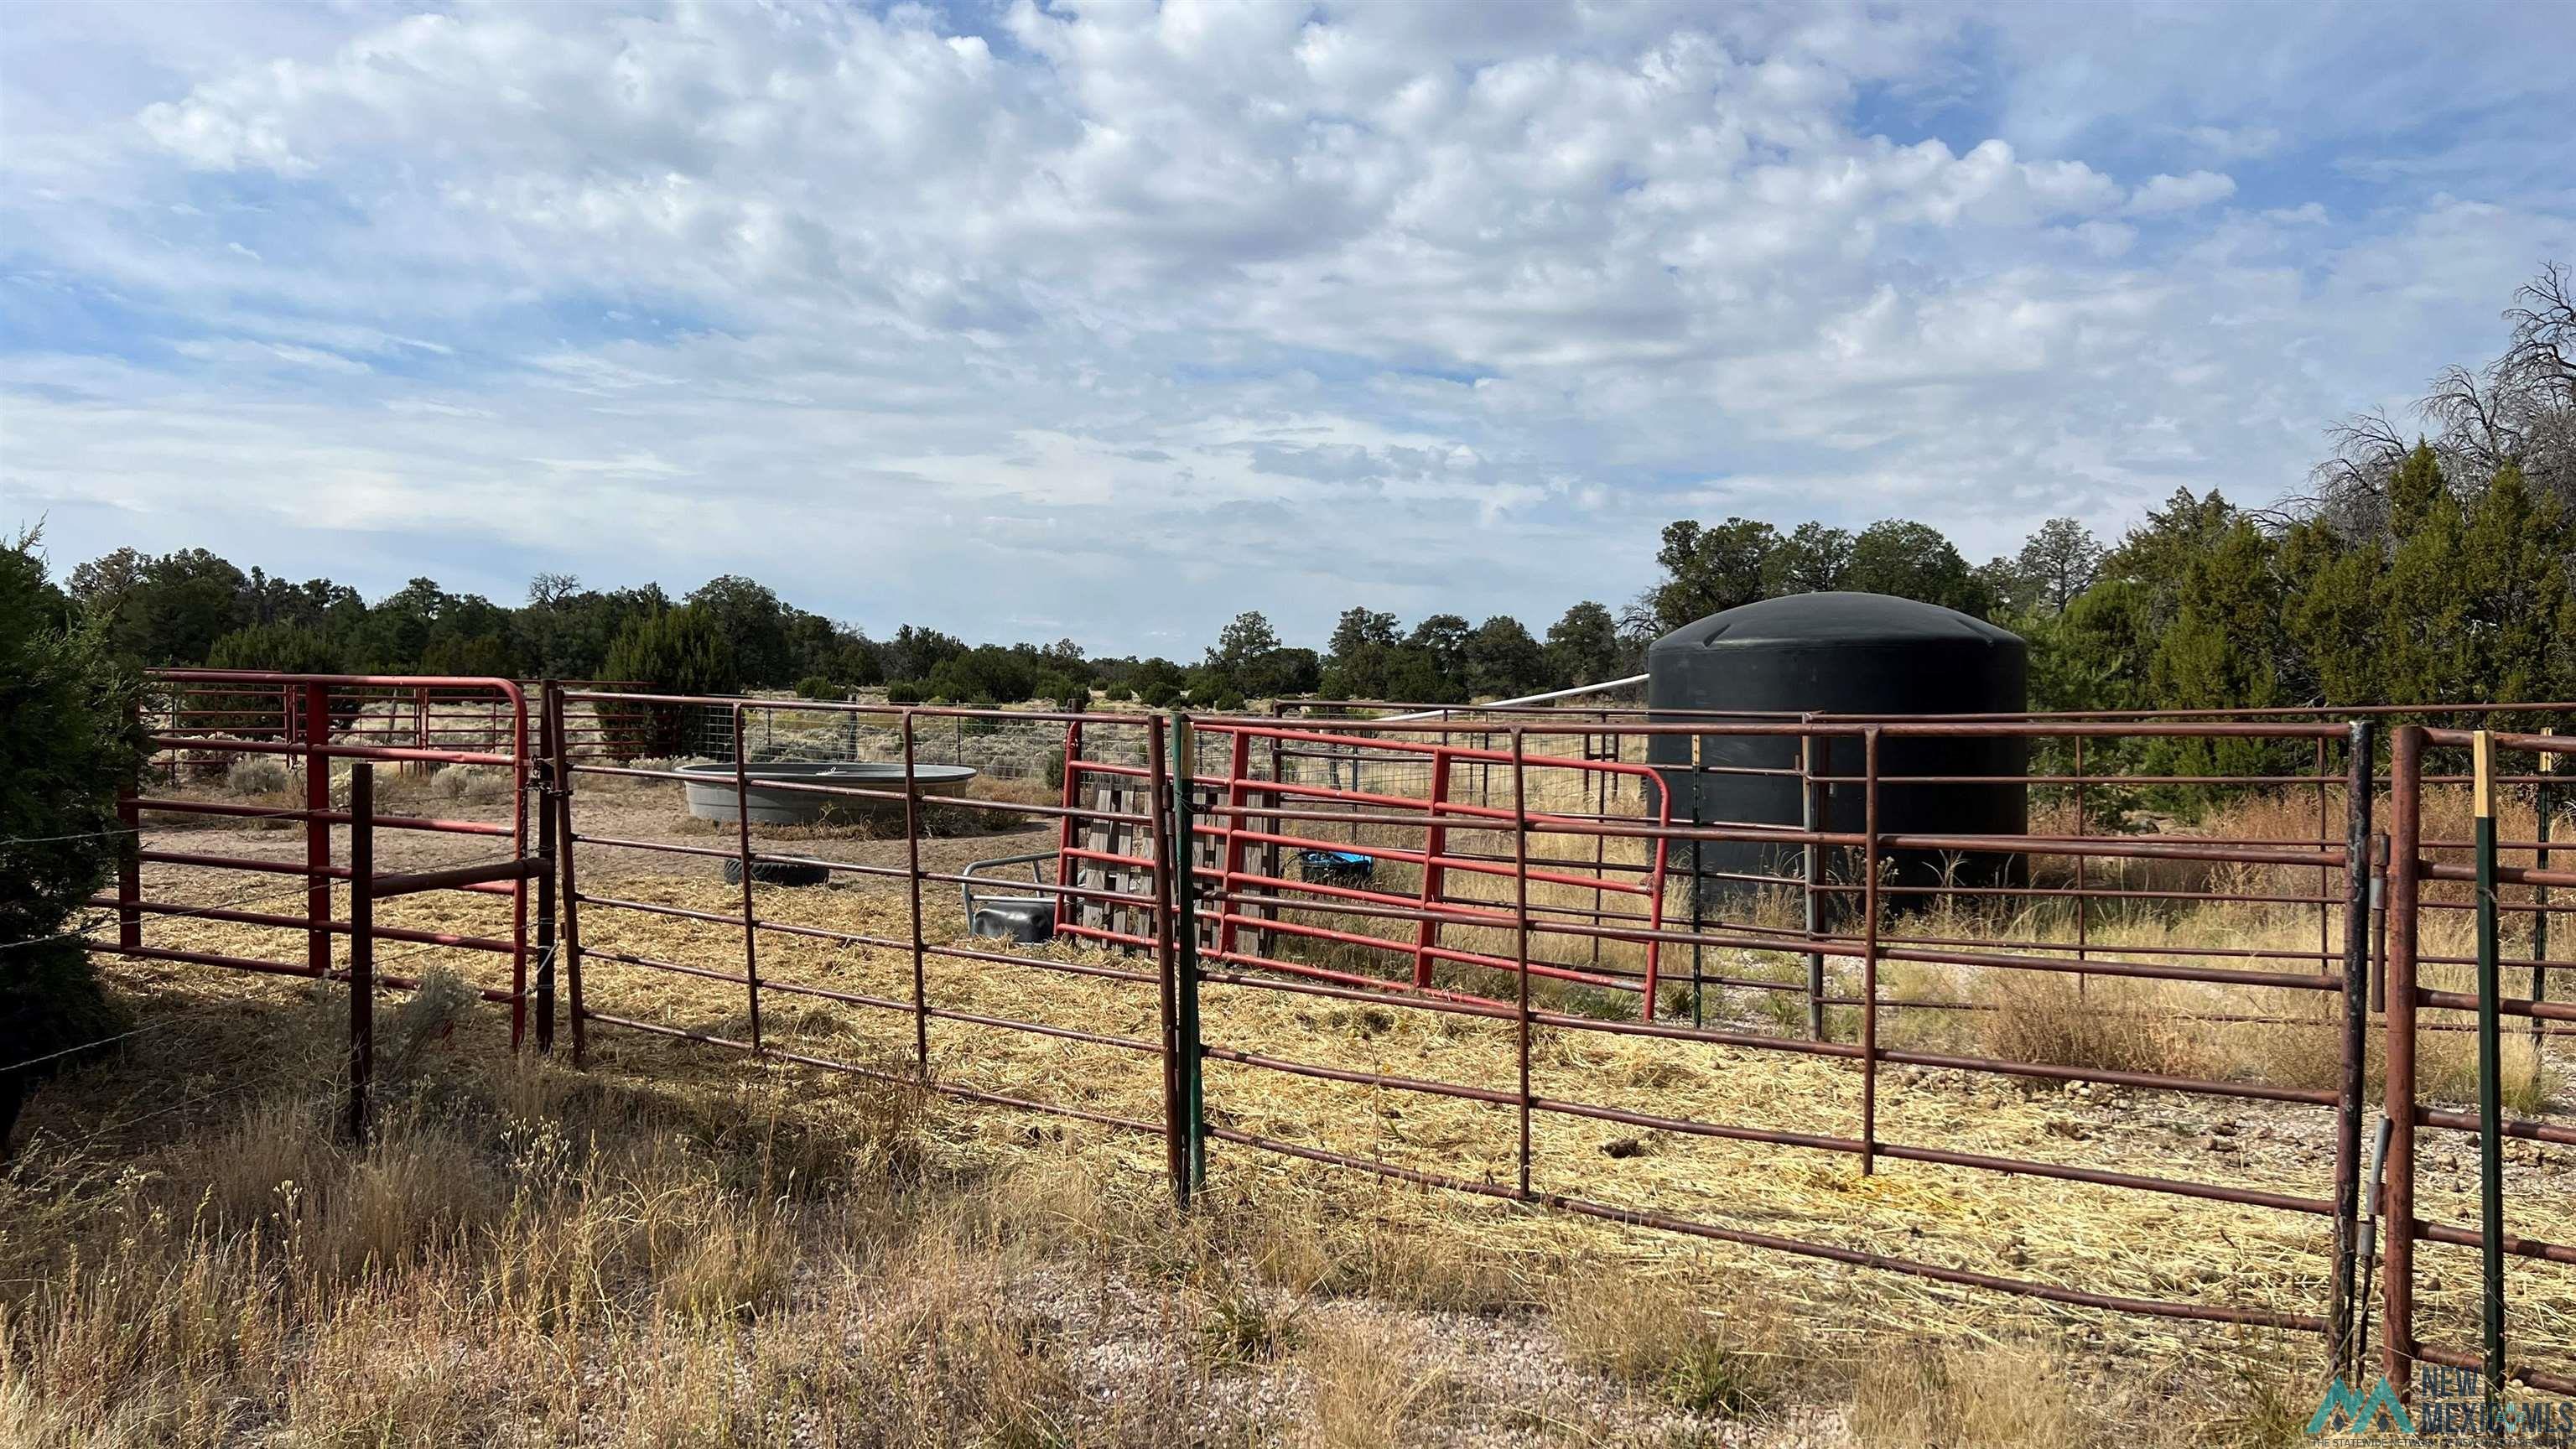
(2518, 410)
(2350, 488)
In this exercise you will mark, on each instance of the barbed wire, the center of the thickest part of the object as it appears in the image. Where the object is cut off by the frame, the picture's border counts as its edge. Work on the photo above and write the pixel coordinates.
(80, 835)
(110, 913)
(383, 958)
(85, 1046)
(543, 959)
(207, 1096)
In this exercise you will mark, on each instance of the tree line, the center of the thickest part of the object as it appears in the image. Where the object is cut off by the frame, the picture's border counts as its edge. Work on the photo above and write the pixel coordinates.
(196, 608)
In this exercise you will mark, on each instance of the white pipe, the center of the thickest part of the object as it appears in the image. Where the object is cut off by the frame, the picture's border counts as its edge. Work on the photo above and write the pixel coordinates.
(1603, 687)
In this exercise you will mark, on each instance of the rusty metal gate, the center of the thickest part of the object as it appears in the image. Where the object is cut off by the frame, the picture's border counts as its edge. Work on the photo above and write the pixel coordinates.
(199, 727)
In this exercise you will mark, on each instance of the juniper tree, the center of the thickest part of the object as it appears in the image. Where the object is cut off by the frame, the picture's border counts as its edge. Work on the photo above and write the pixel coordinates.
(65, 748)
(2220, 652)
(1583, 647)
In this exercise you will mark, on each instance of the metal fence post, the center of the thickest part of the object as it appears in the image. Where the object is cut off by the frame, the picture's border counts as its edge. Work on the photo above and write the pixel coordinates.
(129, 853)
(2356, 1019)
(2544, 809)
(2397, 1209)
(2490, 1070)
(1698, 889)
(2083, 915)
(1869, 954)
(317, 829)
(1273, 825)
(520, 780)
(1185, 952)
(742, 838)
(1810, 860)
(1601, 843)
(1068, 797)
(1435, 839)
(547, 784)
(362, 945)
(1158, 806)
(1520, 940)
(912, 880)
(562, 807)
(1230, 852)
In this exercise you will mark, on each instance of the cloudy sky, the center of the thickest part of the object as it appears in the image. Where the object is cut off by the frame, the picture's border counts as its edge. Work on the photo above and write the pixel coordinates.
(1110, 319)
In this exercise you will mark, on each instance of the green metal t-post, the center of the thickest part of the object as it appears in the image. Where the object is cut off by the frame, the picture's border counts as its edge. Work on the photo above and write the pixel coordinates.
(1185, 948)
(2490, 1089)
(2545, 809)
(1698, 891)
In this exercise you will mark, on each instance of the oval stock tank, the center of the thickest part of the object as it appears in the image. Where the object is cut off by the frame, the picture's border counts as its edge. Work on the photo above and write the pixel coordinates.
(1868, 655)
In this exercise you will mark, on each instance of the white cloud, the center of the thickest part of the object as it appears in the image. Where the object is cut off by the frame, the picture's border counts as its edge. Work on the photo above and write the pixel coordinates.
(244, 353)
(1290, 305)
(2164, 194)
(2235, 143)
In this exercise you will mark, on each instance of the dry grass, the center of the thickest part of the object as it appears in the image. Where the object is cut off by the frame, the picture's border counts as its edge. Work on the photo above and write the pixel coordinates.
(523, 1255)
(1310, 1231)
(1724, 1360)
(617, 1270)
(746, 1254)
(2115, 1026)
(1368, 1387)
(1924, 1393)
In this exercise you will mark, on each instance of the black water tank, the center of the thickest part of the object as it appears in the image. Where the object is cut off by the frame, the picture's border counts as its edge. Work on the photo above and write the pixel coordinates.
(1850, 654)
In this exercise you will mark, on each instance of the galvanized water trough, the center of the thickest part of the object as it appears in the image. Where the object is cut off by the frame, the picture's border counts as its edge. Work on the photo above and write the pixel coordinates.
(711, 790)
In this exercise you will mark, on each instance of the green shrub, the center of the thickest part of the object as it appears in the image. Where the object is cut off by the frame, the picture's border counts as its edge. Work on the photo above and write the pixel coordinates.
(673, 651)
(477, 783)
(1118, 694)
(276, 648)
(1159, 692)
(904, 691)
(487, 656)
(258, 775)
(273, 649)
(987, 671)
(66, 745)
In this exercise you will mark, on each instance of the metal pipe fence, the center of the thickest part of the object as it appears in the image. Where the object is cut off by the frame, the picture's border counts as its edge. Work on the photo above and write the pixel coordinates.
(1532, 875)
(200, 725)
(873, 732)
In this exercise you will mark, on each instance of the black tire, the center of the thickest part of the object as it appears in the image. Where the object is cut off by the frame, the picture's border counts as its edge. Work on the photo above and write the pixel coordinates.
(770, 872)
